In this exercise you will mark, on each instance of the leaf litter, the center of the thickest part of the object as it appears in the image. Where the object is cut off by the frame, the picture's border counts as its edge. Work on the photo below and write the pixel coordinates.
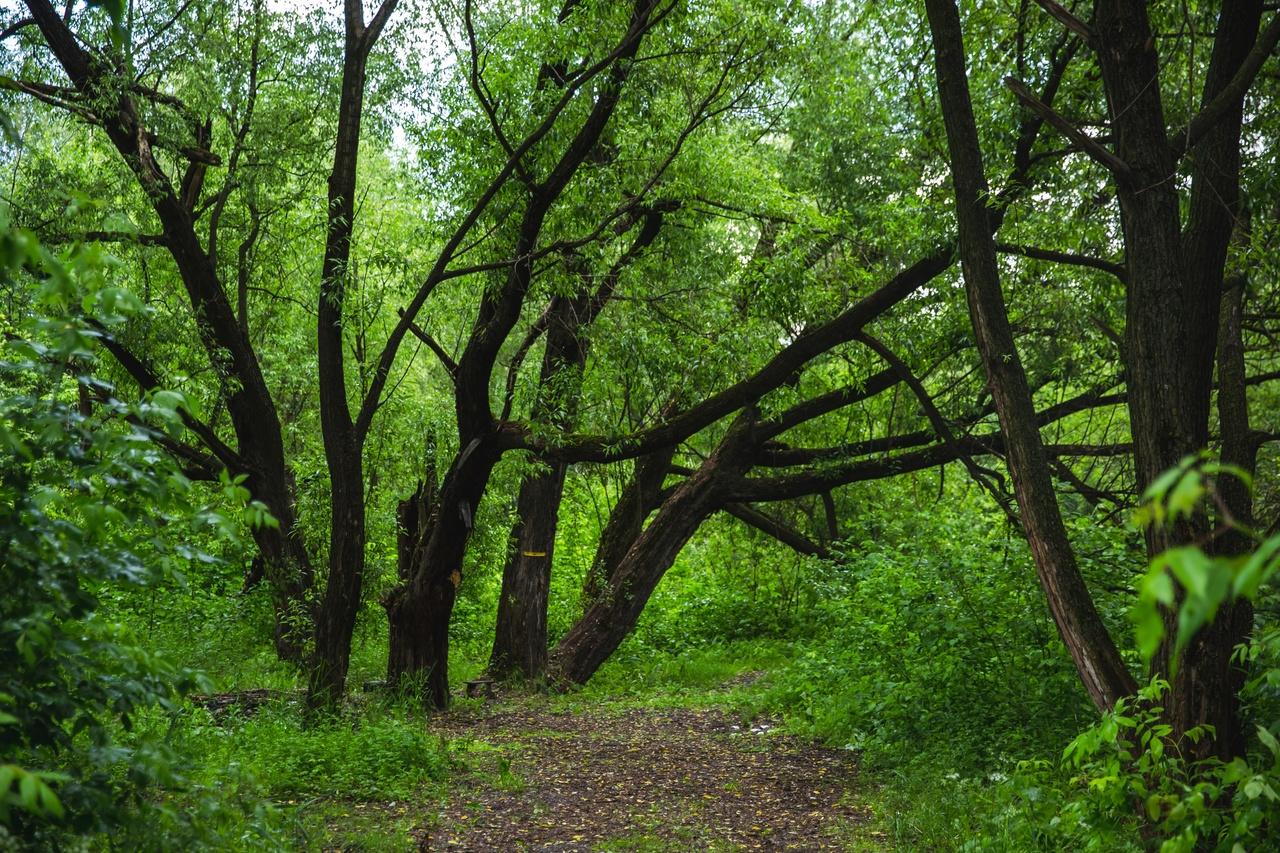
(610, 779)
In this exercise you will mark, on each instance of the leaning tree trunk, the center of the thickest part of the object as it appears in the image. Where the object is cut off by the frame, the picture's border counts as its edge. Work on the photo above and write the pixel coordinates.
(613, 615)
(639, 498)
(1097, 661)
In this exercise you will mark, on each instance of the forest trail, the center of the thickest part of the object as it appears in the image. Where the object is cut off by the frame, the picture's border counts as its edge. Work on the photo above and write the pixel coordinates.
(609, 778)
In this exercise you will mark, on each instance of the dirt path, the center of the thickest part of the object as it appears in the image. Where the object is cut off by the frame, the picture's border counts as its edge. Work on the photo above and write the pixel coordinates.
(610, 779)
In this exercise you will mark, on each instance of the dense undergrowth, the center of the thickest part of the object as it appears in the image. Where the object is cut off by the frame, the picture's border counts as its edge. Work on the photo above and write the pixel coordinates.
(924, 646)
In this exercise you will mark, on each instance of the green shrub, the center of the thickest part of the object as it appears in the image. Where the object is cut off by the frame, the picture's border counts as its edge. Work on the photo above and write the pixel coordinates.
(383, 755)
(89, 505)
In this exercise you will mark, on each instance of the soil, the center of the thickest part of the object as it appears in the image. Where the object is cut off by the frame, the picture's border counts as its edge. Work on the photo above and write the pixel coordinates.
(612, 779)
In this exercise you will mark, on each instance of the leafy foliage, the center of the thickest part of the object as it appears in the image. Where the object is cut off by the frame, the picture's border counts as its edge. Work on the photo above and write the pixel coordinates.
(89, 504)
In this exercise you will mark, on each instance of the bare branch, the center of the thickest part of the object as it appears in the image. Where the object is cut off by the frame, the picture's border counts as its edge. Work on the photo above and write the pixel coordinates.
(1087, 144)
(1068, 258)
(450, 366)
(1067, 19)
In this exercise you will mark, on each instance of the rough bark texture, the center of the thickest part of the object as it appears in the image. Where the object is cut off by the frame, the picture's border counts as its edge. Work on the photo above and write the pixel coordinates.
(418, 611)
(1210, 653)
(1101, 669)
(520, 636)
(1173, 294)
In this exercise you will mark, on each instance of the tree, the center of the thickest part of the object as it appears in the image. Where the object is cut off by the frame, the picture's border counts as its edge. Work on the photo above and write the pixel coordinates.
(1174, 285)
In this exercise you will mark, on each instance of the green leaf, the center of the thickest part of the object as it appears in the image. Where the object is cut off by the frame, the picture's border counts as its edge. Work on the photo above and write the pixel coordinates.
(1269, 741)
(1260, 566)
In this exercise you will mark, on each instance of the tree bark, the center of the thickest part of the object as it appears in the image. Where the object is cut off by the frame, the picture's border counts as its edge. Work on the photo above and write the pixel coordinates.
(1097, 661)
(1173, 295)
(418, 611)
(639, 498)
(520, 635)
(613, 615)
(343, 443)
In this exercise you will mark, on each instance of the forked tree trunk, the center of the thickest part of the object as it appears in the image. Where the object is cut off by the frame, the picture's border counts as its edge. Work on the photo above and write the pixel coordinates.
(343, 441)
(613, 615)
(1173, 291)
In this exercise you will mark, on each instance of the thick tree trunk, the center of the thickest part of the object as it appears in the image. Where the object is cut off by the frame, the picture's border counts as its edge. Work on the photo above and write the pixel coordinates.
(613, 615)
(1173, 291)
(418, 620)
(520, 637)
(418, 611)
(1160, 410)
(1097, 661)
(520, 634)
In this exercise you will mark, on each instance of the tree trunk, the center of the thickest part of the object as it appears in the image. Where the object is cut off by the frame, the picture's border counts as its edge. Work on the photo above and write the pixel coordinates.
(1097, 661)
(252, 410)
(639, 498)
(1207, 686)
(1212, 650)
(418, 611)
(336, 616)
(1155, 331)
(1173, 291)
(418, 620)
(520, 634)
(343, 441)
(613, 615)
(520, 637)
